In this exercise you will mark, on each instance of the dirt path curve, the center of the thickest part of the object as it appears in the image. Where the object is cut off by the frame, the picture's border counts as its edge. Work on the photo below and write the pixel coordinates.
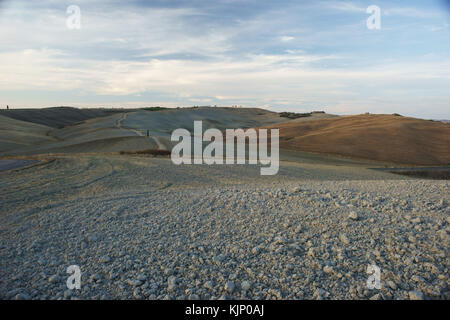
(161, 146)
(158, 142)
(119, 121)
(10, 164)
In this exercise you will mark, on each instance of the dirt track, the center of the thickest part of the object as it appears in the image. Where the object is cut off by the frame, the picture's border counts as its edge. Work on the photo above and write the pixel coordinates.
(159, 144)
(10, 164)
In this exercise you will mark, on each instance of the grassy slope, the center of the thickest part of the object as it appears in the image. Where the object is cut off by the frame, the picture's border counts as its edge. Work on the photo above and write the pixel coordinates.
(377, 137)
(17, 134)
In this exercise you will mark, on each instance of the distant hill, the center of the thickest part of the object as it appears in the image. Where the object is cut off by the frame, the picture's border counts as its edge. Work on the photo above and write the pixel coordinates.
(58, 117)
(387, 138)
(15, 134)
(108, 130)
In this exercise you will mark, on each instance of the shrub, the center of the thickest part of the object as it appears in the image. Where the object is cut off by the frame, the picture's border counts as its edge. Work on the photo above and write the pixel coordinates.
(426, 174)
(293, 115)
(154, 108)
(153, 152)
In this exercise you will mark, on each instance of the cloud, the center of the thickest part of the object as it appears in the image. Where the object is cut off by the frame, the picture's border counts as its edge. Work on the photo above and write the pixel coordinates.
(413, 12)
(255, 53)
(277, 80)
(286, 38)
(345, 6)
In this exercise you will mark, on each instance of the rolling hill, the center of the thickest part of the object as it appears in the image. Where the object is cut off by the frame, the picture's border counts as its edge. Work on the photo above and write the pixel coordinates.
(387, 138)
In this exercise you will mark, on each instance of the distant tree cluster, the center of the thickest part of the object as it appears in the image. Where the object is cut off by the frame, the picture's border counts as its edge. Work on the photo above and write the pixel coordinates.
(153, 152)
(295, 115)
(154, 108)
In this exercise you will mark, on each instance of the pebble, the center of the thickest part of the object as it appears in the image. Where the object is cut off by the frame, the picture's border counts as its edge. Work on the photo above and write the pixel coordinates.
(22, 296)
(344, 239)
(328, 269)
(53, 279)
(256, 250)
(353, 215)
(416, 295)
(142, 277)
(208, 285)
(134, 282)
(246, 285)
(68, 294)
(229, 286)
(105, 259)
(172, 283)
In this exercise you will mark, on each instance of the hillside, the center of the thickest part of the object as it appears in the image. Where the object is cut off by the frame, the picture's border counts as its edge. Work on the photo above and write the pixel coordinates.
(15, 134)
(58, 117)
(386, 138)
(102, 130)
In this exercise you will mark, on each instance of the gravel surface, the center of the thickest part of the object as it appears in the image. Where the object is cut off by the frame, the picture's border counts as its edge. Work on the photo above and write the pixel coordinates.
(142, 228)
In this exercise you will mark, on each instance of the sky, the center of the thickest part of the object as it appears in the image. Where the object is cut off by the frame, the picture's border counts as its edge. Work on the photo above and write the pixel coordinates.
(280, 55)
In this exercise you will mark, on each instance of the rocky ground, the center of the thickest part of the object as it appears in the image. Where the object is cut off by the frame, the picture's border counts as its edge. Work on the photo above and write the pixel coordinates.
(142, 228)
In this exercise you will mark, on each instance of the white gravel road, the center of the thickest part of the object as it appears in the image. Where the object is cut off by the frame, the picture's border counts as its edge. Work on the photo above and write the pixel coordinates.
(142, 228)
(159, 144)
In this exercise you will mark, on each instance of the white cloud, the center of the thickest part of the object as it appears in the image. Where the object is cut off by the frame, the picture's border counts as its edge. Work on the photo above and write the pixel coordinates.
(412, 12)
(345, 6)
(286, 38)
(140, 51)
(283, 80)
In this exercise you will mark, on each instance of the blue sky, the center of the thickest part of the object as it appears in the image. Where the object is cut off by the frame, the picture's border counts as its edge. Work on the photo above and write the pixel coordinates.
(280, 55)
